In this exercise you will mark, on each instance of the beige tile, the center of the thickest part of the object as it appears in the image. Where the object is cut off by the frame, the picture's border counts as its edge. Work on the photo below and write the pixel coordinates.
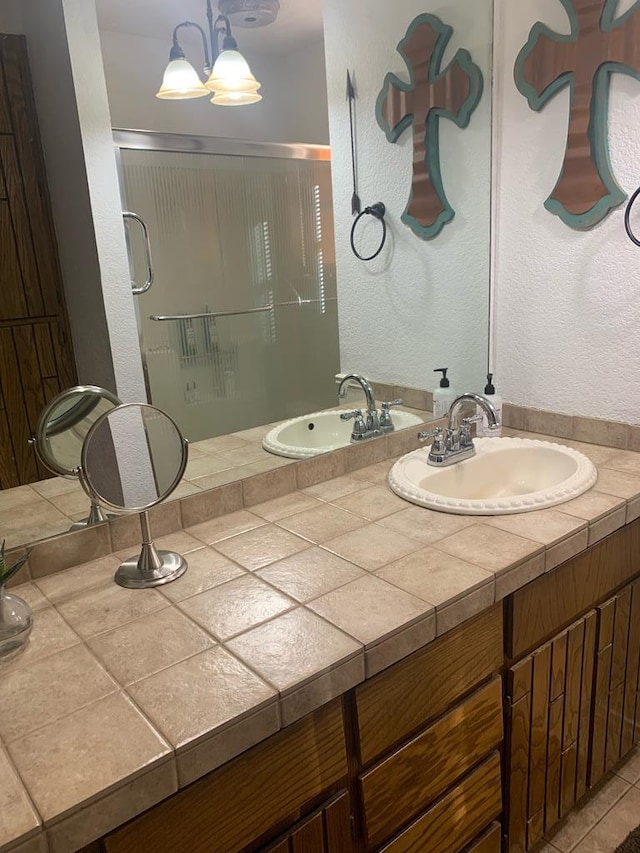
(285, 506)
(592, 505)
(258, 548)
(185, 489)
(630, 770)
(377, 474)
(625, 461)
(399, 645)
(269, 485)
(309, 472)
(125, 532)
(294, 648)
(372, 503)
(435, 577)
(213, 503)
(50, 634)
(64, 585)
(614, 826)
(310, 574)
(548, 423)
(617, 483)
(203, 465)
(192, 700)
(220, 443)
(149, 645)
(55, 486)
(23, 576)
(244, 455)
(17, 815)
(518, 576)
(401, 442)
(269, 464)
(181, 542)
(449, 616)
(604, 526)
(546, 526)
(598, 431)
(414, 397)
(230, 478)
(633, 438)
(321, 523)
(426, 525)
(236, 606)
(255, 434)
(297, 703)
(370, 609)
(513, 416)
(221, 528)
(69, 550)
(78, 752)
(115, 809)
(36, 694)
(103, 609)
(566, 549)
(197, 761)
(207, 568)
(19, 496)
(30, 593)
(488, 547)
(372, 547)
(36, 844)
(336, 488)
(633, 510)
(358, 456)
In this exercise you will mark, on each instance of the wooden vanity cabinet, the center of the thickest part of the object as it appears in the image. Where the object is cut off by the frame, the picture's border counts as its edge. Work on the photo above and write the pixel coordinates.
(572, 708)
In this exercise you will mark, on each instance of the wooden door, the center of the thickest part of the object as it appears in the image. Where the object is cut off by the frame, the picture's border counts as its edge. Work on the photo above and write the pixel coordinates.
(328, 830)
(549, 707)
(36, 358)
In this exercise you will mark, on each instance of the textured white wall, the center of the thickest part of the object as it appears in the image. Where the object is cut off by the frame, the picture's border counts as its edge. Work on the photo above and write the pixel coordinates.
(293, 109)
(567, 302)
(423, 304)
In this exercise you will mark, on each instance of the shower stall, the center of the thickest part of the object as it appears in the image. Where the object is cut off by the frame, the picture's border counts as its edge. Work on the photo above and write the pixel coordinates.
(236, 303)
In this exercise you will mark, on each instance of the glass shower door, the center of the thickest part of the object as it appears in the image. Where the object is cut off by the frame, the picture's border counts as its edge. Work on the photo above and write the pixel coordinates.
(240, 327)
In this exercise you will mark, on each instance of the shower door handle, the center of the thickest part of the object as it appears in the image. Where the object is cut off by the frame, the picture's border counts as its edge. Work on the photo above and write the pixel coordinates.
(143, 288)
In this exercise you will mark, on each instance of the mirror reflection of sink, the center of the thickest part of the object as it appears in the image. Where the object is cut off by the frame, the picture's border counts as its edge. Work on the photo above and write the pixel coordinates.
(507, 475)
(320, 432)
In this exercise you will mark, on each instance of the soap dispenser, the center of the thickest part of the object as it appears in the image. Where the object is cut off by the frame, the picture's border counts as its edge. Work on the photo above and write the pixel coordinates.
(443, 396)
(482, 430)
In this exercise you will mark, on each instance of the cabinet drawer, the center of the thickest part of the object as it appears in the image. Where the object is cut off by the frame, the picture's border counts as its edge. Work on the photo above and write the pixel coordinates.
(247, 798)
(453, 822)
(406, 782)
(401, 700)
(489, 841)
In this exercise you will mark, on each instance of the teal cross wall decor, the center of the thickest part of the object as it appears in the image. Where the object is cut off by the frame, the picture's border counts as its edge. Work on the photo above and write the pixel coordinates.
(600, 45)
(430, 95)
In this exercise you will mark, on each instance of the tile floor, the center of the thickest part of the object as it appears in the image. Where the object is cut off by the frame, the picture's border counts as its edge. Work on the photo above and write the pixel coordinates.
(604, 821)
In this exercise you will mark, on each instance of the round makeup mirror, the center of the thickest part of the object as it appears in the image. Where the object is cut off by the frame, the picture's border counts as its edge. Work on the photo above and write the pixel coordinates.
(132, 459)
(62, 429)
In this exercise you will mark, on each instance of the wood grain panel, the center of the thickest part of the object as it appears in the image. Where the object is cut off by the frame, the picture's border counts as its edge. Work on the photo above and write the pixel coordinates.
(607, 621)
(13, 303)
(558, 667)
(16, 409)
(398, 702)
(569, 767)
(30, 376)
(282, 847)
(632, 681)
(458, 817)
(519, 731)
(614, 727)
(489, 842)
(586, 693)
(309, 838)
(544, 607)
(519, 679)
(337, 821)
(621, 637)
(5, 118)
(554, 763)
(232, 806)
(44, 349)
(400, 787)
(539, 733)
(600, 715)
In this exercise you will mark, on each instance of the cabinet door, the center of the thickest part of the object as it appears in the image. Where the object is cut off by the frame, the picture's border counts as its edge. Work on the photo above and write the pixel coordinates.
(549, 709)
(616, 723)
(328, 830)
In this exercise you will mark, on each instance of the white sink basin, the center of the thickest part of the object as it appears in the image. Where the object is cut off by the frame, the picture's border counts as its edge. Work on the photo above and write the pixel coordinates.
(507, 475)
(320, 432)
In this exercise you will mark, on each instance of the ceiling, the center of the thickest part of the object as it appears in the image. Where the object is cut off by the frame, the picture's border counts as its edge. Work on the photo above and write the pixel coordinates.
(299, 22)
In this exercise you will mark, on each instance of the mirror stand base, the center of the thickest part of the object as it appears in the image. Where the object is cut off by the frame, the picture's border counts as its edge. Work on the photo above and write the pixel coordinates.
(151, 568)
(96, 516)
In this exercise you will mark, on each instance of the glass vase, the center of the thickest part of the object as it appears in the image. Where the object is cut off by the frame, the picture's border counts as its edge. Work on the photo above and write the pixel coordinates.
(16, 622)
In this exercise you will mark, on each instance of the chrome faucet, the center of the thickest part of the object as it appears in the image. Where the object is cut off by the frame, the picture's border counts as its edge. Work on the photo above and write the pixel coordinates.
(375, 424)
(457, 444)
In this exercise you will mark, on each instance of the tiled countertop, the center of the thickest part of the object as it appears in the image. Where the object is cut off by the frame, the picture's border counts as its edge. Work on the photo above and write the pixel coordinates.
(124, 696)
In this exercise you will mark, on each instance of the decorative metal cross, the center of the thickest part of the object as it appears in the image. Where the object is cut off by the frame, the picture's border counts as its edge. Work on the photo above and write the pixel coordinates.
(599, 46)
(431, 94)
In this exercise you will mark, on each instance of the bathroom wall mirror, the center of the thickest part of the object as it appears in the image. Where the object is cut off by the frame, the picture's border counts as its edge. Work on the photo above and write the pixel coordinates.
(132, 459)
(257, 302)
(62, 429)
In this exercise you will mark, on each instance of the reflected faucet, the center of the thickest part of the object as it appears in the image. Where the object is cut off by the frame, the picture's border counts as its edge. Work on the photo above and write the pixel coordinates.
(457, 444)
(373, 422)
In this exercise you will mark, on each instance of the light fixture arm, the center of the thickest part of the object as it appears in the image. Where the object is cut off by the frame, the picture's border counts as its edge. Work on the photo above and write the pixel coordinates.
(221, 24)
(176, 48)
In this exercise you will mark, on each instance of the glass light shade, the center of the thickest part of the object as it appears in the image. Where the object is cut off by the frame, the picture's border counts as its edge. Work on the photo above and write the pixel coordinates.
(181, 81)
(235, 99)
(231, 73)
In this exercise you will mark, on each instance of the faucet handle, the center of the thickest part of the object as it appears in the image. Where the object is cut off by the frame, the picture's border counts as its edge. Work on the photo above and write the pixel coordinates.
(385, 415)
(476, 419)
(439, 446)
(392, 404)
(360, 427)
(348, 416)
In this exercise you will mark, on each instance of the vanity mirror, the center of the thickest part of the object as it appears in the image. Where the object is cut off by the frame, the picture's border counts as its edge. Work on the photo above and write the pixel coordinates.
(257, 301)
(132, 459)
